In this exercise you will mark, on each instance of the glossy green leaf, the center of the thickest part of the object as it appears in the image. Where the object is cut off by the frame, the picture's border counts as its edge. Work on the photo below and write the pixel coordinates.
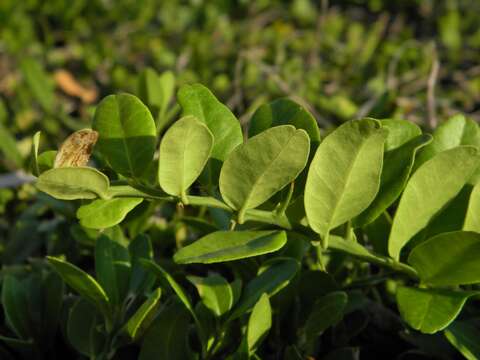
(344, 176)
(397, 166)
(184, 152)
(456, 131)
(198, 101)
(472, 218)
(430, 310)
(448, 259)
(399, 132)
(82, 283)
(15, 303)
(464, 337)
(271, 279)
(283, 112)
(127, 134)
(81, 328)
(140, 278)
(143, 315)
(168, 335)
(154, 89)
(73, 183)
(259, 323)
(215, 292)
(434, 184)
(223, 246)
(268, 162)
(327, 311)
(104, 213)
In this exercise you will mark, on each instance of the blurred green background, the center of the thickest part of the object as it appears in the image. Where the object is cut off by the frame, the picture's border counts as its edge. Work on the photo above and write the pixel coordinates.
(341, 59)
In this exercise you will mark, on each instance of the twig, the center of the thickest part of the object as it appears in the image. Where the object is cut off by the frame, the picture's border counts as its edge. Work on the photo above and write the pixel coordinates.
(431, 101)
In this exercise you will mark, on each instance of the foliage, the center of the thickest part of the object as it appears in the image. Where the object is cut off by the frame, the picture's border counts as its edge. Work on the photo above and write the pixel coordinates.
(300, 204)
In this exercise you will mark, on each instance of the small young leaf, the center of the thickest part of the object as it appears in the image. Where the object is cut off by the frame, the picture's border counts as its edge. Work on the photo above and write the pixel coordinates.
(272, 278)
(104, 213)
(399, 133)
(268, 162)
(327, 311)
(45, 160)
(215, 292)
(143, 315)
(430, 310)
(432, 185)
(448, 259)
(223, 246)
(127, 134)
(74, 183)
(259, 323)
(184, 151)
(198, 101)
(15, 305)
(82, 283)
(464, 337)
(344, 175)
(283, 112)
(34, 153)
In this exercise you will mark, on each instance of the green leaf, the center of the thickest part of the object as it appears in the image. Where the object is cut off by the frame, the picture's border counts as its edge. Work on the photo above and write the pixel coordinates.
(397, 167)
(284, 153)
(344, 176)
(464, 337)
(168, 335)
(15, 306)
(198, 101)
(448, 259)
(105, 267)
(223, 246)
(81, 325)
(143, 315)
(39, 83)
(430, 310)
(161, 273)
(283, 112)
(34, 153)
(434, 184)
(74, 183)
(472, 218)
(259, 323)
(456, 131)
(140, 279)
(54, 289)
(104, 213)
(272, 278)
(184, 152)
(45, 160)
(399, 133)
(127, 134)
(326, 312)
(82, 283)
(215, 292)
